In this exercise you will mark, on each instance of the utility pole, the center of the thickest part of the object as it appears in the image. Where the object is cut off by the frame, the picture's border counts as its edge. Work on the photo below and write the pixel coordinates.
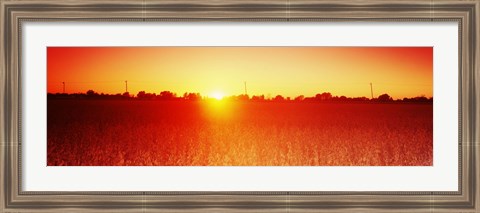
(63, 87)
(245, 87)
(126, 86)
(371, 89)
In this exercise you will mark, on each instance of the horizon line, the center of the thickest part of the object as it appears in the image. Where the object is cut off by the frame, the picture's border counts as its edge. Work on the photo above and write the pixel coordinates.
(322, 95)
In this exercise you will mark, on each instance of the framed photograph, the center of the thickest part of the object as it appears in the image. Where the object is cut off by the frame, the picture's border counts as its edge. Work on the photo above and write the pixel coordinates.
(232, 106)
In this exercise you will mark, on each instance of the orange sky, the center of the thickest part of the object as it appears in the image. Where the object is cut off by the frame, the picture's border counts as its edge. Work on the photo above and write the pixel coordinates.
(288, 71)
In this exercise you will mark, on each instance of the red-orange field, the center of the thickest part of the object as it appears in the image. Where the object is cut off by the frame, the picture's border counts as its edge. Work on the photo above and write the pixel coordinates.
(221, 133)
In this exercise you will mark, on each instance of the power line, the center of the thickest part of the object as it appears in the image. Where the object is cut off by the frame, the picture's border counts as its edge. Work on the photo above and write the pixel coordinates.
(245, 87)
(92, 82)
(371, 89)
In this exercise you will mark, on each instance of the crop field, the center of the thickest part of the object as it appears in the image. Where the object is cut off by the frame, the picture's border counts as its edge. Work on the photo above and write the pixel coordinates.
(222, 133)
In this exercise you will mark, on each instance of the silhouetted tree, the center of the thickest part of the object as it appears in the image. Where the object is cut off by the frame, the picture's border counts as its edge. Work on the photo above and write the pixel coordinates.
(167, 95)
(323, 97)
(141, 94)
(192, 96)
(360, 99)
(421, 99)
(91, 94)
(384, 98)
(258, 98)
(150, 96)
(300, 98)
(278, 98)
(326, 96)
(243, 97)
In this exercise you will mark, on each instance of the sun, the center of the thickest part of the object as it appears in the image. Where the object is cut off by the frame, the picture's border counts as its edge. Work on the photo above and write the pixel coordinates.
(217, 95)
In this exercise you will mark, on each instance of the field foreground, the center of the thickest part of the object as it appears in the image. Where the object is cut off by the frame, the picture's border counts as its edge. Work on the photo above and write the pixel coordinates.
(221, 133)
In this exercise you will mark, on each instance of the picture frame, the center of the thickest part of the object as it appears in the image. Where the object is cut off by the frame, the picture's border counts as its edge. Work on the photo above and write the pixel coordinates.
(14, 13)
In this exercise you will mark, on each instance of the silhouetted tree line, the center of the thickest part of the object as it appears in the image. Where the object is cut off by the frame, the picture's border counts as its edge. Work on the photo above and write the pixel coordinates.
(90, 94)
(167, 95)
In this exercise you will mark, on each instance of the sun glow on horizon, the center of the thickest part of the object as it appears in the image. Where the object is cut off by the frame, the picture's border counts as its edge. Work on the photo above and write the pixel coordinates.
(217, 95)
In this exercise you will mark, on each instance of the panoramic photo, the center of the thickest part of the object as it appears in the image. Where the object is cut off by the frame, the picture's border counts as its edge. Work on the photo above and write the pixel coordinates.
(240, 106)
